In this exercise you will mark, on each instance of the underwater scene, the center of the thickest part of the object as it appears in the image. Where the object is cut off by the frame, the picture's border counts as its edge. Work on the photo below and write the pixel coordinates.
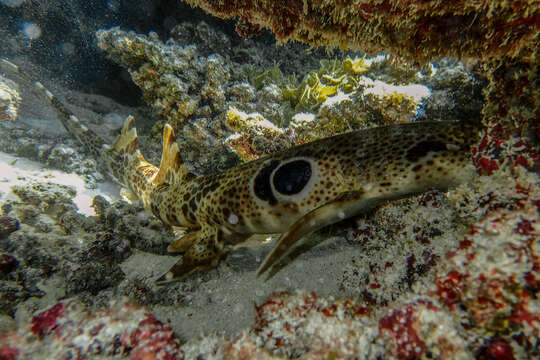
(268, 179)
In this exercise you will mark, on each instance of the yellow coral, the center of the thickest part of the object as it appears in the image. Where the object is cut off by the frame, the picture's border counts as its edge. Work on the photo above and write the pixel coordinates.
(323, 83)
(237, 120)
(395, 98)
(357, 66)
(255, 136)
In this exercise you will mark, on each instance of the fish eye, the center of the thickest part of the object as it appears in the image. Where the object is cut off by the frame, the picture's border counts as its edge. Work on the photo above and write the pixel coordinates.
(291, 178)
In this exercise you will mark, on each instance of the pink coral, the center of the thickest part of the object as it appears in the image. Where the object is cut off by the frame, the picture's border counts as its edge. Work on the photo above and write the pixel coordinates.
(67, 330)
(399, 326)
(46, 321)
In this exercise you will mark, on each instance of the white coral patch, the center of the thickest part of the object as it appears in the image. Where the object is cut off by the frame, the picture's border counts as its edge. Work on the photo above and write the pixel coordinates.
(379, 88)
(336, 99)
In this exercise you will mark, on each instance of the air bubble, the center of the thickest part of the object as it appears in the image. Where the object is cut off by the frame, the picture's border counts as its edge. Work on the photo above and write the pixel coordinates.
(31, 30)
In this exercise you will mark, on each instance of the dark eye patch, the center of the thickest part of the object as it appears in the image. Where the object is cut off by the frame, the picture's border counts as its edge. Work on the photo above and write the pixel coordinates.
(422, 148)
(292, 177)
(261, 184)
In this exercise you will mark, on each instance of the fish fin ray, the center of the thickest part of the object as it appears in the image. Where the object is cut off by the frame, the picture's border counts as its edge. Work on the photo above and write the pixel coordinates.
(182, 244)
(345, 206)
(204, 253)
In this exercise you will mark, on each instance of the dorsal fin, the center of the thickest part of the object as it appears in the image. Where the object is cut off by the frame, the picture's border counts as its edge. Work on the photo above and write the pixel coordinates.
(171, 167)
(128, 140)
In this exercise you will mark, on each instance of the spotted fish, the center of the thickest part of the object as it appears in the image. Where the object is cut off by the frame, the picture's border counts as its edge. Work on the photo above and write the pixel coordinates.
(293, 192)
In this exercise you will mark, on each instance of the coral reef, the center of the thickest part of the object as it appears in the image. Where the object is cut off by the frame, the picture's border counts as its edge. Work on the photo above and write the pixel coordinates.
(189, 91)
(67, 330)
(57, 245)
(412, 29)
(255, 135)
(152, 66)
(357, 93)
(197, 95)
(456, 91)
(402, 247)
(345, 97)
(444, 275)
(504, 35)
(493, 275)
(511, 114)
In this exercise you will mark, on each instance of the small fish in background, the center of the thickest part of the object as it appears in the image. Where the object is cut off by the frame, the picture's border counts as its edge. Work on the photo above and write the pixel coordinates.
(294, 192)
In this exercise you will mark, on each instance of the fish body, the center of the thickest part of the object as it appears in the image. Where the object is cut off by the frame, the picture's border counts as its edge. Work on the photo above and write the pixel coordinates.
(293, 192)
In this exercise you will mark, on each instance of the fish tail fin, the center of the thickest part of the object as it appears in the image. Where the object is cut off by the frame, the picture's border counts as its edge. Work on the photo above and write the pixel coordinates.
(127, 165)
(85, 136)
(122, 161)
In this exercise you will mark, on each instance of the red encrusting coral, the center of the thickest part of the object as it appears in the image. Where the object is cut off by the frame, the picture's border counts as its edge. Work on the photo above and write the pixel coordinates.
(7, 263)
(151, 340)
(399, 326)
(46, 321)
(67, 330)
(496, 349)
(506, 146)
(8, 353)
(498, 295)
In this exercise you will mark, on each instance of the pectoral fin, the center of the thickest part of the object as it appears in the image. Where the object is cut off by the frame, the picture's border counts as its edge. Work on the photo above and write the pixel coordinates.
(347, 205)
(204, 253)
(184, 243)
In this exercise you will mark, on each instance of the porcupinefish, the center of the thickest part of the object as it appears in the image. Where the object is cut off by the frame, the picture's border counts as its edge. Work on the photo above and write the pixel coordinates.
(293, 192)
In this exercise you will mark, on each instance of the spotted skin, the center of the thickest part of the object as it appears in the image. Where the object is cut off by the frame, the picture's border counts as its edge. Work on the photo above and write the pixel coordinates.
(294, 192)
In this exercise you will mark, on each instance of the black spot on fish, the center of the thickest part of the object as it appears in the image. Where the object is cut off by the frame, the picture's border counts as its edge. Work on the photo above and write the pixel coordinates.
(210, 187)
(226, 212)
(261, 184)
(155, 210)
(422, 148)
(185, 210)
(171, 219)
(292, 177)
(193, 204)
